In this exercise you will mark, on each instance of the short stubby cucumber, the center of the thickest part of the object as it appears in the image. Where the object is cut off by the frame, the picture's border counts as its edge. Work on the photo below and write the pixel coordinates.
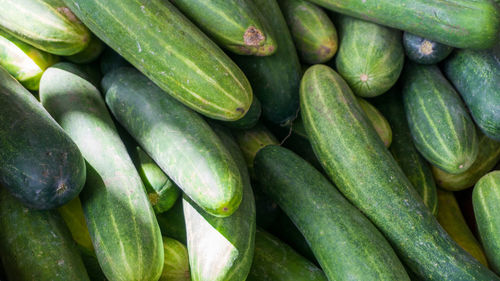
(424, 51)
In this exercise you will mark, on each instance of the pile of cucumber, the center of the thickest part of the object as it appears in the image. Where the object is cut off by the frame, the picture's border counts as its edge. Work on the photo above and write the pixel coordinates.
(259, 140)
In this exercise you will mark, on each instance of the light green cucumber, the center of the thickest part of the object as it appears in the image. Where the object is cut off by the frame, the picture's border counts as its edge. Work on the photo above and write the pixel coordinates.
(176, 265)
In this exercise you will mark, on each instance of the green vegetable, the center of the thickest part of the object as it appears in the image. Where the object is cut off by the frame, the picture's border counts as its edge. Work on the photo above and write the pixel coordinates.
(424, 51)
(176, 265)
(90, 53)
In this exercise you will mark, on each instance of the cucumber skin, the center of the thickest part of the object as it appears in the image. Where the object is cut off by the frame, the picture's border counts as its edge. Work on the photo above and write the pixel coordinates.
(36, 245)
(441, 127)
(249, 120)
(415, 167)
(176, 267)
(368, 51)
(275, 79)
(338, 226)
(39, 163)
(379, 122)
(487, 157)
(346, 144)
(90, 53)
(132, 249)
(413, 45)
(485, 199)
(159, 123)
(193, 69)
(476, 76)
(461, 23)
(227, 23)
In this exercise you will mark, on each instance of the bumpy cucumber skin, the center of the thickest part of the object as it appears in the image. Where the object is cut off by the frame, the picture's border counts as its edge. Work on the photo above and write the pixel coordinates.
(424, 51)
(235, 25)
(487, 157)
(457, 23)
(166, 47)
(415, 167)
(39, 163)
(36, 245)
(337, 228)
(346, 145)
(378, 121)
(476, 76)
(121, 222)
(249, 120)
(275, 79)
(441, 127)
(90, 53)
(312, 30)
(370, 56)
(201, 166)
(485, 199)
(176, 266)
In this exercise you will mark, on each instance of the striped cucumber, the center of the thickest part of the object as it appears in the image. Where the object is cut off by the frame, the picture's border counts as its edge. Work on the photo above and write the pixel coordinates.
(424, 51)
(90, 53)
(441, 127)
(121, 222)
(176, 265)
(486, 198)
(164, 45)
(179, 141)
(312, 30)
(365, 172)
(235, 25)
(370, 56)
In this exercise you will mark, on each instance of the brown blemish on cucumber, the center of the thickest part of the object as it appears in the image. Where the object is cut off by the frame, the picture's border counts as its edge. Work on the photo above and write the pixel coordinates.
(61, 188)
(68, 13)
(426, 48)
(253, 36)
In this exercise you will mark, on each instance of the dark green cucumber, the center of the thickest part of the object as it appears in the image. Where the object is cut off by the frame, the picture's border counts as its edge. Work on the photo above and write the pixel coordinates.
(378, 121)
(312, 30)
(90, 53)
(487, 157)
(476, 76)
(121, 222)
(275, 79)
(338, 227)
(176, 265)
(23, 61)
(249, 120)
(36, 245)
(357, 161)
(275, 261)
(370, 56)
(441, 127)
(172, 222)
(235, 25)
(47, 25)
(458, 23)
(486, 198)
(179, 141)
(111, 60)
(416, 169)
(39, 163)
(164, 45)
(424, 51)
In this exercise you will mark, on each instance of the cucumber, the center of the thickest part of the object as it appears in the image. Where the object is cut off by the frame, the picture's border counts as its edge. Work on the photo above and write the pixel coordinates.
(276, 261)
(458, 23)
(378, 121)
(111, 60)
(275, 79)
(312, 30)
(121, 222)
(441, 127)
(176, 265)
(476, 76)
(485, 199)
(90, 53)
(451, 219)
(424, 51)
(416, 169)
(234, 25)
(177, 139)
(36, 245)
(370, 56)
(172, 222)
(487, 157)
(23, 61)
(346, 144)
(72, 214)
(39, 163)
(164, 45)
(302, 147)
(47, 25)
(249, 120)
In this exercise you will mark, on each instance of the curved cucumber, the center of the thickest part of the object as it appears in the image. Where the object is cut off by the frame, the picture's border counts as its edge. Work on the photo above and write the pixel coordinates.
(235, 25)
(370, 56)
(486, 198)
(36, 245)
(176, 265)
(440, 125)
(121, 222)
(39, 163)
(346, 144)
(378, 121)
(424, 51)
(178, 140)
(312, 30)
(476, 76)
(90, 53)
(164, 45)
(249, 120)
